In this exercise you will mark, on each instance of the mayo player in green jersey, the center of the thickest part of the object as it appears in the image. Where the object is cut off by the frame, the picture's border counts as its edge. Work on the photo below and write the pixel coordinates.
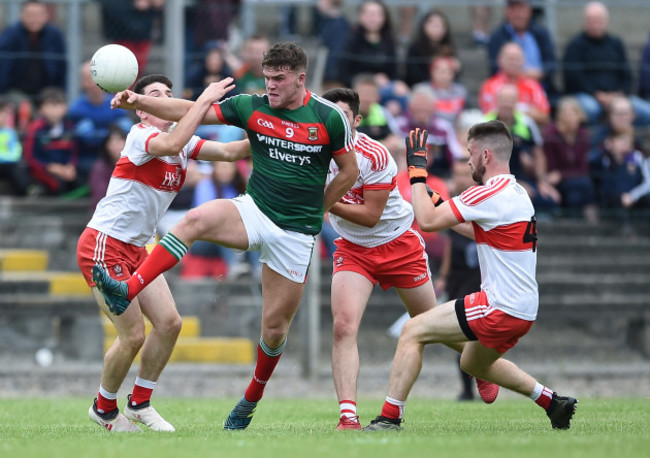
(293, 135)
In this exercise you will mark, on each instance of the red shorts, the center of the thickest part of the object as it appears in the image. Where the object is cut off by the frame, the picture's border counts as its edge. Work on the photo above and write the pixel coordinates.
(492, 327)
(401, 263)
(119, 259)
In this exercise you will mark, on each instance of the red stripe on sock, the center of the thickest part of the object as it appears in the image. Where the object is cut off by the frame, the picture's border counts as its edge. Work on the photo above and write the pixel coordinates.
(160, 260)
(105, 405)
(545, 399)
(390, 411)
(140, 394)
(263, 370)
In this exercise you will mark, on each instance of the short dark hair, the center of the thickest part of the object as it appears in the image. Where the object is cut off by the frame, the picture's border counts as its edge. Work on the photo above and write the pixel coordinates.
(495, 135)
(145, 81)
(51, 95)
(285, 55)
(345, 95)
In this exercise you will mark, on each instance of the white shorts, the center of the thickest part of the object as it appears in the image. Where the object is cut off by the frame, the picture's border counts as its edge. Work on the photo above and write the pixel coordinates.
(286, 252)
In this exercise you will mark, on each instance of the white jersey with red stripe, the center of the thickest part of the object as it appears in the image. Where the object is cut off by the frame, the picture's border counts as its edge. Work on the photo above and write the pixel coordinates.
(503, 219)
(141, 188)
(377, 171)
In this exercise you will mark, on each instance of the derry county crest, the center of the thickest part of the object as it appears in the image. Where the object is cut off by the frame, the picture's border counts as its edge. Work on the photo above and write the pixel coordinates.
(312, 133)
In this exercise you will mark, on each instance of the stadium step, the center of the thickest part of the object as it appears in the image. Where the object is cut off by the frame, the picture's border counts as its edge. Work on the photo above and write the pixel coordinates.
(221, 350)
(191, 347)
(45, 282)
(23, 260)
(191, 327)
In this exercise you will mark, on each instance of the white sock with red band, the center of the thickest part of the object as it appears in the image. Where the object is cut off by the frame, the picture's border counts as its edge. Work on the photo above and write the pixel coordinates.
(541, 395)
(348, 408)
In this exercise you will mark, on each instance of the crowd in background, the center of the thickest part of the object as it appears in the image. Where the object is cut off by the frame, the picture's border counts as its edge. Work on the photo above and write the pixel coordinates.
(579, 125)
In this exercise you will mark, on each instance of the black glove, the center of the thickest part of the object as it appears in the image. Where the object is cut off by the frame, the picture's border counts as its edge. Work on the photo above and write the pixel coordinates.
(435, 197)
(416, 155)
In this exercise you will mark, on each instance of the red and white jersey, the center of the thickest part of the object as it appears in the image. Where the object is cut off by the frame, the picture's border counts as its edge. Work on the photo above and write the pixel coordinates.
(503, 219)
(377, 171)
(141, 188)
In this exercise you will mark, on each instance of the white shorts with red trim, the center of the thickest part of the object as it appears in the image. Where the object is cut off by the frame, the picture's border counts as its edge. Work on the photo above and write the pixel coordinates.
(286, 252)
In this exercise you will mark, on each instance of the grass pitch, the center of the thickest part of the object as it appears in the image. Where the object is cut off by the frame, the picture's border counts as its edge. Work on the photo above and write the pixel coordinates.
(305, 428)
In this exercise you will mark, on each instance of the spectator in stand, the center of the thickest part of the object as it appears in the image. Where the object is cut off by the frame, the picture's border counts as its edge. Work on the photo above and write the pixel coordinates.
(640, 194)
(51, 148)
(32, 54)
(620, 170)
(93, 117)
(332, 32)
(532, 98)
(210, 69)
(209, 21)
(480, 16)
(432, 39)
(535, 40)
(620, 119)
(527, 162)
(130, 23)
(644, 72)
(450, 95)
(376, 122)
(247, 71)
(100, 173)
(442, 141)
(12, 166)
(370, 47)
(596, 68)
(566, 147)
(466, 119)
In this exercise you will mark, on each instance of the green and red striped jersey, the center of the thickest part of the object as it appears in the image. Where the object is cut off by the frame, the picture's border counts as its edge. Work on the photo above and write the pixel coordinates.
(291, 151)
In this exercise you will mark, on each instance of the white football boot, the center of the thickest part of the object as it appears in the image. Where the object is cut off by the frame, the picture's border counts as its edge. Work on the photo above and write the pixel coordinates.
(148, 416)
(116, 423)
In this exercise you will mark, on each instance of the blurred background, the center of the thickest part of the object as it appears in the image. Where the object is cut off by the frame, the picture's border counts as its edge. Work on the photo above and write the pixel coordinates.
(442, 65)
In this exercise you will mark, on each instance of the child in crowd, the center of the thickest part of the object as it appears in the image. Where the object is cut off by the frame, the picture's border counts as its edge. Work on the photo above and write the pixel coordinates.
(109, 154)
(620, 169)
(51, 148)
(12, 168)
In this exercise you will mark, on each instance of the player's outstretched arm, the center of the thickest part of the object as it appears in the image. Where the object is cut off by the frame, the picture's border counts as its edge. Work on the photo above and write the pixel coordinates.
(431, 212)
(227, 152)
(171, 109)
(348, 173)
(172, 143)
(165, 108)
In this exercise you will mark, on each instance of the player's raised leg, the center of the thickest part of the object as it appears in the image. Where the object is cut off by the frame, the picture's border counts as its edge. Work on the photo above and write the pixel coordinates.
(215, 221)
(350, 293)
(281, 301)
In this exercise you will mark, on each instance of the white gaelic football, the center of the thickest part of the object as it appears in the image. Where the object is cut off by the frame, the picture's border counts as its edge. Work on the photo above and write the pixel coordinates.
(113, 68)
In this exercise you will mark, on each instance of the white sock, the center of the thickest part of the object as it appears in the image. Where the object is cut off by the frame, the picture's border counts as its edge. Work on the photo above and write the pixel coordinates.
(537, 391)
(144, 383)
(107, 394)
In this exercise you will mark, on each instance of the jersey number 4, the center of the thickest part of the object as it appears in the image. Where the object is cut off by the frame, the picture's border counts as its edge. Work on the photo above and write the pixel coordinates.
(530, 236)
